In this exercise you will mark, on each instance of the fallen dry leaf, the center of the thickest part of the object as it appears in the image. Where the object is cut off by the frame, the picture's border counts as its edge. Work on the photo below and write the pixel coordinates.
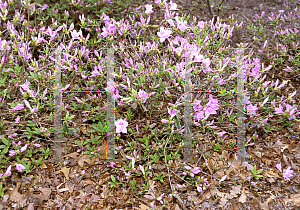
(150, 195)
(271, 174)
(142, 207)
(177, 207)
(42, 196)
(221, 195)
(15, 196)
(88, 182)
(72, 155)
(295, 199)
(84, 158)
(243, 197)
(31, 206)
(65, 171)
(233, 193)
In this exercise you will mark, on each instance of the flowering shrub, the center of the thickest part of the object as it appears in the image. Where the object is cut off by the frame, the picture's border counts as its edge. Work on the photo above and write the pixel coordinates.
(149, 69)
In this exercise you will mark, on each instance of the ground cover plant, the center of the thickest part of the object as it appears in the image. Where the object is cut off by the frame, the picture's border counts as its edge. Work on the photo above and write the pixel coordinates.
(151, 43)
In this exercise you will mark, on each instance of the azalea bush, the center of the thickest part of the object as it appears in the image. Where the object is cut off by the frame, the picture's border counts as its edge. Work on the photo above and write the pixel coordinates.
(149, 64)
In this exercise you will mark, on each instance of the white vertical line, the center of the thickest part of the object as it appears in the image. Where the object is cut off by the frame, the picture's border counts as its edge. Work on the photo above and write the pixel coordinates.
(110, 105)
(58, 115)
(240, 107)
(187, 149)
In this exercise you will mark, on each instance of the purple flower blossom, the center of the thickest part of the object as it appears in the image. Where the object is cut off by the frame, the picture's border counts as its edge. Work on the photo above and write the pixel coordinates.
(127, 175)
(164, 34)
(287, 173)
(18, 107)
(20, 167)
(196, 170)
(172, 112)
(173, 6)
(160, 198)
(164, 121)
(23, 149)
(199, 189)
(278, 166)
(25, 86)
(148, 9)
(8, 171)
(17, 120)
(12, 152)
(142, 95)
(78, 100)
(121, 126)
(76, 35)
(82, 172)
(223, 178)
(181, 24)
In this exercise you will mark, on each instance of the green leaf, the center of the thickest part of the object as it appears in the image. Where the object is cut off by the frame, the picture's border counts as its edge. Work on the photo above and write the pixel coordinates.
(254, 170)
(113, 178)
(5, 141)
(259, 171)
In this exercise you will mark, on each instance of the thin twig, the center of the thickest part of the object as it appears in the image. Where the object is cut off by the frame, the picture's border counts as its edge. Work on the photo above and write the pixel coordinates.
(209, 8)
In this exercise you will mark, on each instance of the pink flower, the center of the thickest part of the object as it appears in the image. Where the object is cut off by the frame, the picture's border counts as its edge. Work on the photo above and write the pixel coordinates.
(160, 198)
(27, 104)
(221, 133)
(14, 134)
(112, 164)
(82, 172)
(142, 169)
(17, 120)
(172, 112)
(8, 171)
(127, 175)
(157, 1)
(142, 95)
(76, 35)
(188, 167)
(25, 86)
(78, 100)
(196, 170)
(121, 126)
(199, 189)
(37, 145)
(173, 6)
(95, 72)
(23, 149)
(179, 186)
(164, 34)
(181, 24)
(164, 121)
(223, 178)
(12, 152)
(278, 166)
(287, 173)
(20, 167)
(252, 183)
(18, 107)
(248, 178)
(148, 9)
(192, 175)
